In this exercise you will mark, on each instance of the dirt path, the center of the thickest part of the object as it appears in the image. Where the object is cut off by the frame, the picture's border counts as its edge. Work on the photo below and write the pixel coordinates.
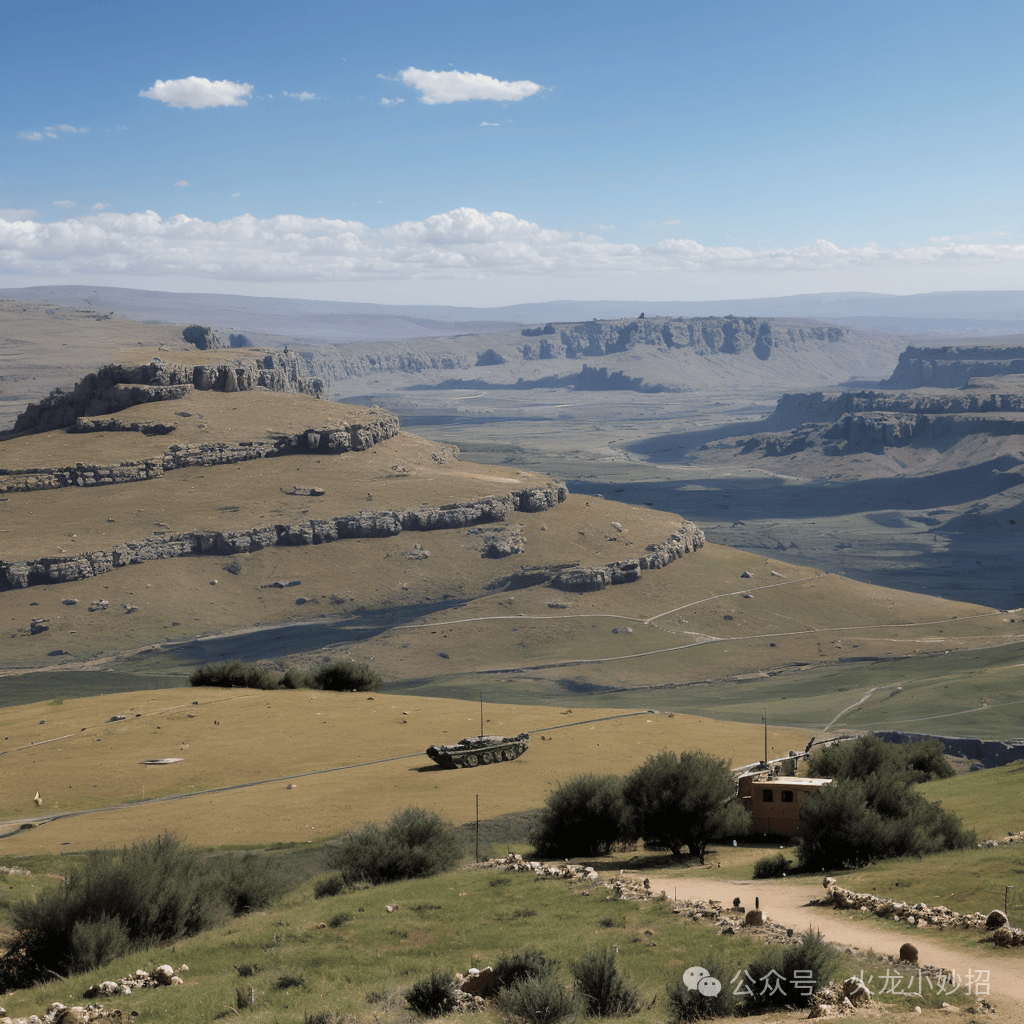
(787, 903)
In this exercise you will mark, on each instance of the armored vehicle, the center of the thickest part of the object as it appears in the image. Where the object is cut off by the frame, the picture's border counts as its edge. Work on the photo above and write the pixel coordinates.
(477, 750)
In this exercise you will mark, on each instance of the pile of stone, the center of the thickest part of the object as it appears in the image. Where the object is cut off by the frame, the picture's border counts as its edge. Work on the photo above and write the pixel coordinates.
(1011, 837)
(160, 977)
(563, 869)
(920, 915)
(58, 1013)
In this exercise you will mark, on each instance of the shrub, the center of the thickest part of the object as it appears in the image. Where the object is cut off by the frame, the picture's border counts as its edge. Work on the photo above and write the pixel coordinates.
(818, 961)
(231, 674)
(685, 799)
(510, 968)
(869, 756)
(249, 882)
(773, 866)
(582, 817)
(339, 919)
(158, 890)
(344, 675)
(329, 886)
(95, 943)
(538, 1000)
(686, 1004)
(414, 843)
(603, 991)
(433, 996)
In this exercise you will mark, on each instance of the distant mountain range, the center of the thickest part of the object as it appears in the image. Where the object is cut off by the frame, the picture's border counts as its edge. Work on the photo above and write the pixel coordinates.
(933, 314)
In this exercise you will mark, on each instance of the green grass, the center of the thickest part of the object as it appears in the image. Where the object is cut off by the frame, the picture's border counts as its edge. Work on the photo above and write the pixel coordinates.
(363, 966)
(984, 800)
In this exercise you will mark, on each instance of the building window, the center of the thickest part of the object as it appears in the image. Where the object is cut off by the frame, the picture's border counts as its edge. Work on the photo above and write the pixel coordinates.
(766, 796)
(787, 796)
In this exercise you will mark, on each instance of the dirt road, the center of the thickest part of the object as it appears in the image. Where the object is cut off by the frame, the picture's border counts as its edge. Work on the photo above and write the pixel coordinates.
(786, 902)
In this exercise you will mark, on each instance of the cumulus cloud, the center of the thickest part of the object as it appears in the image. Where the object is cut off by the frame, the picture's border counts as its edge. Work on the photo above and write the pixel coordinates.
(31, 136)
(99, 206)
(386, 102)
(455, 86)
(198, 93)
(488, 124)
(181, 184)
(303, 96)
(66, 204)
(460, 245)
(66, 128)
(11, 214)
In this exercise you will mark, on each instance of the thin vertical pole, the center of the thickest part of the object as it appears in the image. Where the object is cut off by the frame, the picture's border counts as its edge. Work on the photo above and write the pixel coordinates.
(478, 828)
(481, 714)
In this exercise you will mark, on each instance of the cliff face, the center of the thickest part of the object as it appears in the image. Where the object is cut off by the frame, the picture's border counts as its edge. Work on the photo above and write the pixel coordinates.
(953, 367)
(729, 335)
(115, 388)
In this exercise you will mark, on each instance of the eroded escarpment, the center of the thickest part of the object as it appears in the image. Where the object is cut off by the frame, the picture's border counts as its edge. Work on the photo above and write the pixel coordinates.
(332, 440)
(117, 387)
(371, 523)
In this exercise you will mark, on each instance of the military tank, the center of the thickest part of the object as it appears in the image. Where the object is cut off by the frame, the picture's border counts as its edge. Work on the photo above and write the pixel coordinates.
(477, 750)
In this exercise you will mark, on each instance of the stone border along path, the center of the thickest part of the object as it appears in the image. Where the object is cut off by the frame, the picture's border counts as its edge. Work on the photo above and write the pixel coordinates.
(791, 904)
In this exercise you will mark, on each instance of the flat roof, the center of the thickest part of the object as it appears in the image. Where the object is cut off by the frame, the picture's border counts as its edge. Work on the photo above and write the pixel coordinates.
(791, 783)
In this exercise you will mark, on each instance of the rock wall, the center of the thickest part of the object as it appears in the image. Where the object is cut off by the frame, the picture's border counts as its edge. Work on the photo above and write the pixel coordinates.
(114, 388)
(953, 367)
(69, 568)
(991, 753)
(579, 579)
(317, 440)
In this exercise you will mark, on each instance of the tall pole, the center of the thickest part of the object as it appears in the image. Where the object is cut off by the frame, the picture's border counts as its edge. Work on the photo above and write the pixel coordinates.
(764, 715)
(481, 714)
(478, 828)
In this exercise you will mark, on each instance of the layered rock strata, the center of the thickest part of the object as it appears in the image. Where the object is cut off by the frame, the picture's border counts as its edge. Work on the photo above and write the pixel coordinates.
(114, 387)
(69, 568)
(333, 440)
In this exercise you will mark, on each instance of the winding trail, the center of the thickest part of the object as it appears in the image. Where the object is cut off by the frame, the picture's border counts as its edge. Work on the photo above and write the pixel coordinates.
(787, 902)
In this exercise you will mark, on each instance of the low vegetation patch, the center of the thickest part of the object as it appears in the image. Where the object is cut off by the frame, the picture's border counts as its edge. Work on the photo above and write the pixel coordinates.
(773, 866)
(602, 989)
(344, 676)
(412, 844)
(433, 996)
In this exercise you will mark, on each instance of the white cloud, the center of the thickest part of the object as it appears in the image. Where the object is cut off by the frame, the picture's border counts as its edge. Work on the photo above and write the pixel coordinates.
(31, 136)
(99, 206)
(66, 128)
(181, 184)
(303, 96)
(488, 124)
(463, 245)
(198, 93)
(386, 102)
(455, 86)
(66, 204)
(10, 214)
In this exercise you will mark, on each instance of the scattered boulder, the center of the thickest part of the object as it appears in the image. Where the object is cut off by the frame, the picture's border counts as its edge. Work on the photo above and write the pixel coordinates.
(37, 626)
(996, 919)
(908, 953)
(856, 991)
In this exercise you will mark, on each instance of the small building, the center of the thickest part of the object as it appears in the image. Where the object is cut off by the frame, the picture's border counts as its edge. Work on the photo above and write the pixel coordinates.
(775, 802)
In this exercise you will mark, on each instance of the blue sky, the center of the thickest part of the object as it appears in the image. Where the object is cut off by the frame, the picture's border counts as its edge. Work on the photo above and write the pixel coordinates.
(482, 154)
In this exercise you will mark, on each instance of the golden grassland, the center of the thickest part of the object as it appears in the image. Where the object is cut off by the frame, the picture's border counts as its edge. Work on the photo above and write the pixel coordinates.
(351, 758)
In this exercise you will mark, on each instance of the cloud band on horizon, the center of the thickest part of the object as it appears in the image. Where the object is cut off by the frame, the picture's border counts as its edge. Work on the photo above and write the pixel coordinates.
(463, 244)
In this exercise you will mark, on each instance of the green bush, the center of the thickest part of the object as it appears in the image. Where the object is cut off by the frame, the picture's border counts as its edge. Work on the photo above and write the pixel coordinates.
(95, 943)
(540, 999)
(249, 882)
(814, 957)
(869, 756)
(156, 891)
(773, 866)
(344, 675)
(582, 817)
(602, 990)
(510, 968)
(414, 843)
(686, 1004)
(329, 886)
(231, 674)
(433, 996)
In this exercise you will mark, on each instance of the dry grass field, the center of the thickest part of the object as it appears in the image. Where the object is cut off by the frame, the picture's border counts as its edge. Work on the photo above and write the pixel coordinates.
(294, 766)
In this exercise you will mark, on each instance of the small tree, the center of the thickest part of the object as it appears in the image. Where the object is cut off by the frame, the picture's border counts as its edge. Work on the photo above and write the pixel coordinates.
(344, 675)
(678, 800)
(582, 817)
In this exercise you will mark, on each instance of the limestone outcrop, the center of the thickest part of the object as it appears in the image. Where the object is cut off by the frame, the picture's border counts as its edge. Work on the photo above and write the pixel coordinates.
(687, 538)
(116, 387)
(370, 523)
(954, 366)
(333, 440)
